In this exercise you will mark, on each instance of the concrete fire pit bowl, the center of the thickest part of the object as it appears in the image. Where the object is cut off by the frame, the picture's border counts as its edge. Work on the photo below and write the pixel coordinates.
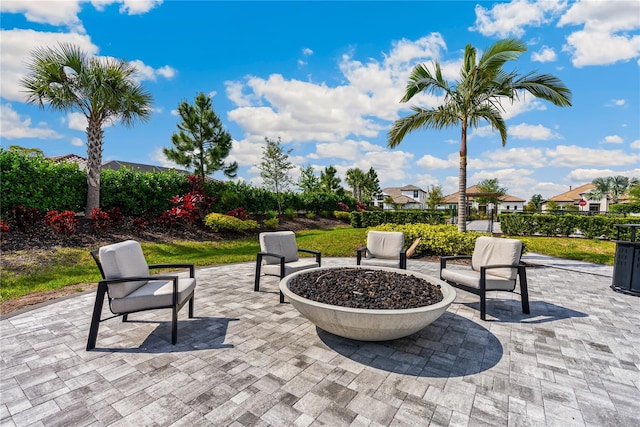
(369, 324)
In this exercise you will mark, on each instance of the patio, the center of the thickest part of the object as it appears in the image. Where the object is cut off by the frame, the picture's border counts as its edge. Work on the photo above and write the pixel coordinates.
(247, 360)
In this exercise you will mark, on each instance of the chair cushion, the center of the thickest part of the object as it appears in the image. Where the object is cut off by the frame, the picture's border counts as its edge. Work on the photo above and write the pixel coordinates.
(123, 259)
(471, 278)
(154, 294)
(495, 250)
(382, 262)
(384, 244)
(291, 267)
(279, 242)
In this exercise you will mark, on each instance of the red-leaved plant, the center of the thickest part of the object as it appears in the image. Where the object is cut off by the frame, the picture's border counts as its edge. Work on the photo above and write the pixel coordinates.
(65, 223)
(189, 208)
(4, 228)
(239, 213)
(104, 220)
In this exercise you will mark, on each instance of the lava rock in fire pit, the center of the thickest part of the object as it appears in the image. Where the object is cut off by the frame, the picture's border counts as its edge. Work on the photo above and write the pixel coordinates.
(363, 288)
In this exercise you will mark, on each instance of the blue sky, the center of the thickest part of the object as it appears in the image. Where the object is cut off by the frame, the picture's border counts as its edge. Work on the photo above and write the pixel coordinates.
(327, 78)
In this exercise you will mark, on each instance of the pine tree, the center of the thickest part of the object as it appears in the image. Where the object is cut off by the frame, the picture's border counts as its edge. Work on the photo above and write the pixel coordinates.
(202, 143)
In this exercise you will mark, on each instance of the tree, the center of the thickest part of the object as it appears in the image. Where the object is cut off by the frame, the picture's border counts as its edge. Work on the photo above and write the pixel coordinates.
(477, 96)
(434, 196)
(329, 181)
(201, 142)
(356, 179)
(372, 184)
(308, 181)
(104, 90)
(614, 186)
(274, 168)
(492, 187)
(535, 204)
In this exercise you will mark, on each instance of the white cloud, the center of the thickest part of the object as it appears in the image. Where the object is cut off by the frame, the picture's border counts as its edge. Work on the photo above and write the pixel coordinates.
(512, 157)
(583, 176)
(635, 144)
(607, 35)
(307, 52)
(59, 13)
(14, 126)
(430, 162)
(518, 182)
(146, 72)
(77, 142)
(306, 111)
(510, 19)
(598, 48)
(157, 157)
(15, 49)
(573, 156)
(612, 139)
(77, 121)
(615, 103)
(546, 54)
(533, 132)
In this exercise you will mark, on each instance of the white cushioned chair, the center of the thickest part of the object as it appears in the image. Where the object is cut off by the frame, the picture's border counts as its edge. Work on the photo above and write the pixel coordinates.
(495, 266)
(384, 248)
(130, 288)
(278, 256)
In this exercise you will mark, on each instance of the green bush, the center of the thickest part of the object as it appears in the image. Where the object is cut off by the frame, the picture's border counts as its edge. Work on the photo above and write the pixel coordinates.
(38, 183)
(272, 223)
(591, 226)
(228, 224)
(342, 216)
(368, 219)
(138, 193)
(439, 240)
(310, 215)
(271, 214)
(290, 213)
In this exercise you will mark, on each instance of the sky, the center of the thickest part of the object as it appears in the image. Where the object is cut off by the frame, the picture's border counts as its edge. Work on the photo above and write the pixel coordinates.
(327, 79)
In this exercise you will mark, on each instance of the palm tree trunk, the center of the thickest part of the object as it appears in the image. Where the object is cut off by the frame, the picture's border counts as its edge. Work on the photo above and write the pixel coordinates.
(94, 165)
(462, 181)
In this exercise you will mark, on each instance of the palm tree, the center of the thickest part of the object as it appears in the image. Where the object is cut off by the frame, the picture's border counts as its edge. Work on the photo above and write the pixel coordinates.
(67, 79)
(476, 96)
(356, 179)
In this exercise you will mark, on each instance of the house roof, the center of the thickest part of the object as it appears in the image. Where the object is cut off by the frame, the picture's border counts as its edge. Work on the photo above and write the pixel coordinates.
(118, 164)
(410, 187)
(114, 164)
(573, 195)
(474, 192)
(396, 194)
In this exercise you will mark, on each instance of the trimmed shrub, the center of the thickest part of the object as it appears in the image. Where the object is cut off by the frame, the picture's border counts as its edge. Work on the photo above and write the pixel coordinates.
(34, 182)
(439, 240)
(342, 216)
(373, 218)
(272, 223)
(220, 223)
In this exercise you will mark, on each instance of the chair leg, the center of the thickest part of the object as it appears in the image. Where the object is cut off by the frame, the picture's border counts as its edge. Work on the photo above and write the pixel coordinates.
(125, 317)
(95, 318)
(524, 292)
(483, 294)
(256, 285)
(174, 325)
(191, 306)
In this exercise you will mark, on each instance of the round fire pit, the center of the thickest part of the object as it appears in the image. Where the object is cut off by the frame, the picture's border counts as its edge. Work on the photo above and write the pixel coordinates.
(367, 324)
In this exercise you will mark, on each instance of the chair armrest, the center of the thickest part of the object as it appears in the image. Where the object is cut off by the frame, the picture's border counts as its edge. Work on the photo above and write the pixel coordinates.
(263, 254)
(444, 259)
(191, 267)
(317, 254)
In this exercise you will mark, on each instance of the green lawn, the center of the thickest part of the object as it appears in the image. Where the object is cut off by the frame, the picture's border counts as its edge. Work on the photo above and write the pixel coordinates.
(62, 267)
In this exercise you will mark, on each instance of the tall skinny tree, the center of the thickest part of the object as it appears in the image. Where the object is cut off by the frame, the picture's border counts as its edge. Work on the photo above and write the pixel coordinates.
(329, 181)
(476, 97)
(201, 142)
(356, 179)
(274, 168)
(104, 90)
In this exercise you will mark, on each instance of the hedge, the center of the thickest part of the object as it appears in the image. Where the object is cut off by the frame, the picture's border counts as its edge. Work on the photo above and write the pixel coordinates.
(368, 219)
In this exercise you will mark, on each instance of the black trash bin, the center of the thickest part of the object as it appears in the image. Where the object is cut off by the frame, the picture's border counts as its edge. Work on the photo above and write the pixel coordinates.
(626, 266)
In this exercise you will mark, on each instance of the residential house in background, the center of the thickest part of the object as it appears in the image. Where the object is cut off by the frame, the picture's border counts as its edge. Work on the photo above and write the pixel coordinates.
(408, 197)
(578, 198)
(114, 164)
(508, 203)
